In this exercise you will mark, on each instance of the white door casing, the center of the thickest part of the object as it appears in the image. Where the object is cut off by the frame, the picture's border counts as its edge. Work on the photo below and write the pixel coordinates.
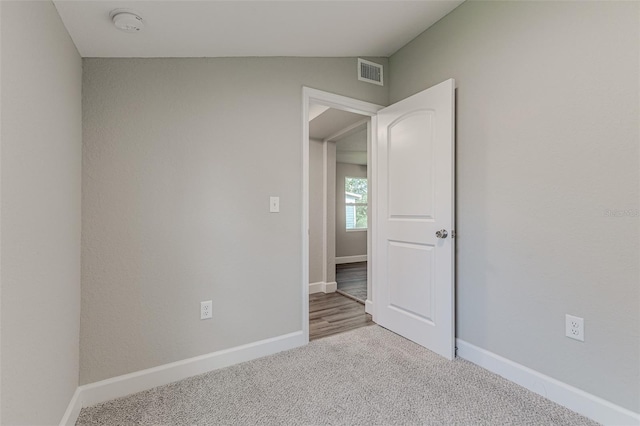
(350, 105)
(414, 293)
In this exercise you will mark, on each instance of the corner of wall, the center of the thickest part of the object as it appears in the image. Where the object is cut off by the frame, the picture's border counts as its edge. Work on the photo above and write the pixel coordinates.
(40, 160)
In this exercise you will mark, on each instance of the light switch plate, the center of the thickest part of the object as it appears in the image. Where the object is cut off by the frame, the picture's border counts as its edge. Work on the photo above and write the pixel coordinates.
(274, 204)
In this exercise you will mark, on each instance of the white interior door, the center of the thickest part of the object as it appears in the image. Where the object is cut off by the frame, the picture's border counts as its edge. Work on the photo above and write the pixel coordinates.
(414, 294)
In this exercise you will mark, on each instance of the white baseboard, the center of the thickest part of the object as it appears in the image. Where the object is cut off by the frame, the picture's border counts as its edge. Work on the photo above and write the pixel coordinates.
(573, 398)
(95, 393)
(316, 287)
(368, 307)
(73, 410)
(351, 259)
(322, 287)
(588, 405)
(330, 287)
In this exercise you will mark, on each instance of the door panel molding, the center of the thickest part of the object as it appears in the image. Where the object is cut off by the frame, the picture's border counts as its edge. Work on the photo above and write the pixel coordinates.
(415, 267)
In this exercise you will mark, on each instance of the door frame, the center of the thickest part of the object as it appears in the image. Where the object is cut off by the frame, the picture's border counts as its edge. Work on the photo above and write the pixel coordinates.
(359, 107)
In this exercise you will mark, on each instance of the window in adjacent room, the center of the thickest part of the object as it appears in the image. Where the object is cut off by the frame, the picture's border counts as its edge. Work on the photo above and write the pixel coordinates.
(355, 192)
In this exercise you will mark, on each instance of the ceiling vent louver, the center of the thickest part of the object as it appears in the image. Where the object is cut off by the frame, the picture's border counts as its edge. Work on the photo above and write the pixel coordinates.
(370, 72)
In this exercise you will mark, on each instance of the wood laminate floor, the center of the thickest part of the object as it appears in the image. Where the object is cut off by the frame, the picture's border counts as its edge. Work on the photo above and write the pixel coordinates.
(352, 279)
(333, 313)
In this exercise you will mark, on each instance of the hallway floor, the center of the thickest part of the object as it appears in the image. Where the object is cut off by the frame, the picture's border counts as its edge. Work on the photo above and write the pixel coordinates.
(352, 280)
(333, 313)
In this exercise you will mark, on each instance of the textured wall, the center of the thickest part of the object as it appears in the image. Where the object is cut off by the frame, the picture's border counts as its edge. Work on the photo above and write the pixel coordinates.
(352, 243)
(40, 213)
(180, 157)
(547, 143)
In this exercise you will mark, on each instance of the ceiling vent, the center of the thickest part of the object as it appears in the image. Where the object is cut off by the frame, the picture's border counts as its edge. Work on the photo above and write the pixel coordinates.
(370, 72)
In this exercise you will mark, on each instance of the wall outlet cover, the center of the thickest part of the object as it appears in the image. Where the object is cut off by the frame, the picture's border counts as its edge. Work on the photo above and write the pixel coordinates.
(574, 327)
(206, 309)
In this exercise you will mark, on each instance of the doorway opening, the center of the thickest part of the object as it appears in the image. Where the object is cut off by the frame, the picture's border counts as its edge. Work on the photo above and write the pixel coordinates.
(338, 180)
(338, 221)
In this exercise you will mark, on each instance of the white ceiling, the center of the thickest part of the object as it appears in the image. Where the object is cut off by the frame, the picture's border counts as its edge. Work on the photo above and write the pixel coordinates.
(251, 28)
(330, 122)
(351, 146)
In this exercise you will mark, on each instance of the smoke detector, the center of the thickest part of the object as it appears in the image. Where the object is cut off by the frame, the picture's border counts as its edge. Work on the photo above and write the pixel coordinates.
(127, 20)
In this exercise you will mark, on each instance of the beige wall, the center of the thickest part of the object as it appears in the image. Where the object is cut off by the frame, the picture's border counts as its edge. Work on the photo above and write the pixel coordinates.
(316, 204)
(40, 213)
(348, 243)
(180, 157)
(547, 142)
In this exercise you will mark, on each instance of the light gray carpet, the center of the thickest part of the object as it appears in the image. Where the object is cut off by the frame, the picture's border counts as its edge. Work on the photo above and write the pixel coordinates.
(365, 376)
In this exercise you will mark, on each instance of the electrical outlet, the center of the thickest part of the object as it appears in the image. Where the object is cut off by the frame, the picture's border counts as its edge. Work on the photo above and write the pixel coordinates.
(574, 327)
(206, 309)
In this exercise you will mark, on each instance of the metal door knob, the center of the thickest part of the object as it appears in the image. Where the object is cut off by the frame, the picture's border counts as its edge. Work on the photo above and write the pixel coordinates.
(442, 233)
